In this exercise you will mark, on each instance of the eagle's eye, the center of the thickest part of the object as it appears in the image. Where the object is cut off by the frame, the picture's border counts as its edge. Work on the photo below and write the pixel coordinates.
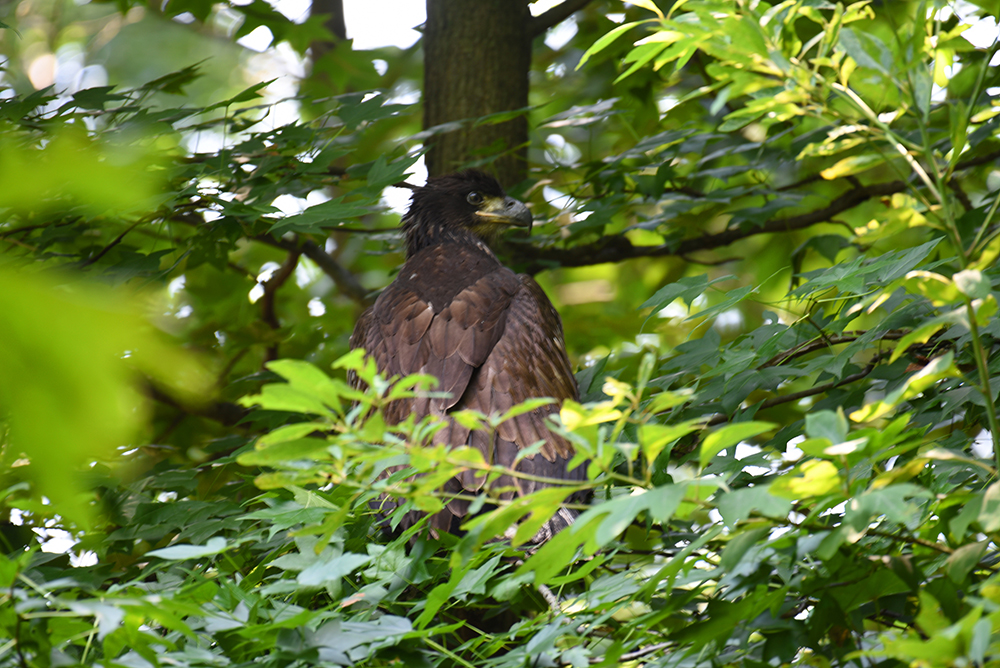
(474, 198)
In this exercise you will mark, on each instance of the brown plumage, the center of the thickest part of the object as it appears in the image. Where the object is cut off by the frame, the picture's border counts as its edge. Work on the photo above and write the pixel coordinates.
(491, 337)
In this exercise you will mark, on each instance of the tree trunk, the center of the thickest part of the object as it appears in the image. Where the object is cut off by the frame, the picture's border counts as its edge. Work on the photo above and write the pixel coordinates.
(477, 54)
(334, 9)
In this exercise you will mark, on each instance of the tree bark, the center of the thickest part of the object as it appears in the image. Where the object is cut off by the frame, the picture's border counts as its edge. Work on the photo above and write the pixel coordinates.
(334, 9)
(477, 54)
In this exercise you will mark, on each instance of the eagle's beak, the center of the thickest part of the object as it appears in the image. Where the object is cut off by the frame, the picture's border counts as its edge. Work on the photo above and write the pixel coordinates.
(506, 211)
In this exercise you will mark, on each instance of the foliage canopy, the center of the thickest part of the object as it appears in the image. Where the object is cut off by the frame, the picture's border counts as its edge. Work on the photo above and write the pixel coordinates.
(771, 229)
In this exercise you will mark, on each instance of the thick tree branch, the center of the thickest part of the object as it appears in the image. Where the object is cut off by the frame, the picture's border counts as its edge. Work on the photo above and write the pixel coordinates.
(539, 24)
(344, 280)
(334, 10)
(616, 248)
(986, 158)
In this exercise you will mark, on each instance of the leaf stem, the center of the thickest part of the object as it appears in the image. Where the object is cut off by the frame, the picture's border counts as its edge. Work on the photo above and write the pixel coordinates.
(447, 652)
(986, 224)
(890, 135)
(984, 379)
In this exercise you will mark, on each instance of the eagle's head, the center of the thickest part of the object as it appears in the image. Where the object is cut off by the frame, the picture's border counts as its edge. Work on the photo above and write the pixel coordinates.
(450, 207)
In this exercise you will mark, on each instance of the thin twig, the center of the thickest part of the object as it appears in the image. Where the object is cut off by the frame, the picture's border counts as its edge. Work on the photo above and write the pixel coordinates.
(117, 240)
(960, 194)
(819, 343)
(28, 228)
(33, 249)
(796, 396)
(644, 651)
(554, 16)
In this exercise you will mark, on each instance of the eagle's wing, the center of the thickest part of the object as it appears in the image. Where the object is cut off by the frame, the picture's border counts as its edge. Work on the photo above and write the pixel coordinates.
(416, 326)
(528, 361)
(492, 344)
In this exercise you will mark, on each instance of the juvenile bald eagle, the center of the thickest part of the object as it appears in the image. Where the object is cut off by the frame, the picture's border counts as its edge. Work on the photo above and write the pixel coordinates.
(491, 337)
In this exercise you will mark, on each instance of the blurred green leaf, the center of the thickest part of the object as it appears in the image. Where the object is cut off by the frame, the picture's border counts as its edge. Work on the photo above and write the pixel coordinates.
(181, 552)
(97, 176)
(72, 391)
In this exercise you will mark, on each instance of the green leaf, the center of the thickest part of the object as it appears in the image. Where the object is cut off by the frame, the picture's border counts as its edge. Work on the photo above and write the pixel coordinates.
(525, 406)
(963, 560)
(733, 297)
(285, 451)
(575, 416)
(958, 117)
(307, 378)
(71, 168)
(289, 432)
(850, 42)
(248, 94)
(830, 425)
(331, 214)
(96, 98)
(668, 399)
(972, 284)
(728, 436)
(438, 596)
(852, 165)
(687, 288)
(282, 397)
(740, 544)
(606, 41)
(809, 479)
(616, 515)
(384, 173)
(70, 395)
(175, 82)
(648, 5)
(214, 546)
(313, 30)
(921, 334)
(331, 569)
(989, 514)
(654, 437)
(358, 108)
(108, 617)
(639, 57)
(4, 26)
(737, 505)
(939, 289)
(553, 556)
